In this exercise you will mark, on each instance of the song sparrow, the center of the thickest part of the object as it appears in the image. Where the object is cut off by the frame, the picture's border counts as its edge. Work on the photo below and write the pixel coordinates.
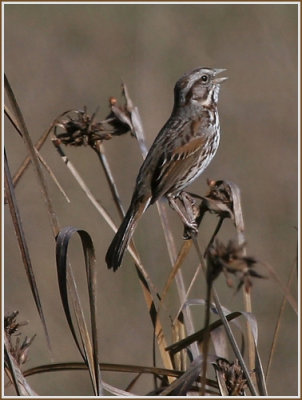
(182, 150)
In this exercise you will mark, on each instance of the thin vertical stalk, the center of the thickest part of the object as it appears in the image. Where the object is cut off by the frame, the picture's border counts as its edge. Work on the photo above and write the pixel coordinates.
(100, 151)
(16, 218)
(247, 298)
(34, 158)
(278, 324)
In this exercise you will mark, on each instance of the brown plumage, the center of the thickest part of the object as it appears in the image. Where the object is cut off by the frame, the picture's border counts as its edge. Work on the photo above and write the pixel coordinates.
(182, 150)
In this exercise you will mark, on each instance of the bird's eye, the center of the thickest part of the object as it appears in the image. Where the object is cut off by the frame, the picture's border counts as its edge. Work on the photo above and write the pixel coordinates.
(204, 78)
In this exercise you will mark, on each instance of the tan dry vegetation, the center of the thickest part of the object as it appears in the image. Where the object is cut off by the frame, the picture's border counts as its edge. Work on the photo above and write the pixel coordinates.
(60, 57)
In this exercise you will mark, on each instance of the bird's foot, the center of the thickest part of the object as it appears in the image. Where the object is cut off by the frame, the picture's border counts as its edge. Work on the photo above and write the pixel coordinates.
(187, 211)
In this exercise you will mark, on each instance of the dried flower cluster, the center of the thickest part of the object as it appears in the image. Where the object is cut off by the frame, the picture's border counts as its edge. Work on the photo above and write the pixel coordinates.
(78, 127)
(229, 260)
(17, 348)
(230, 377)
(11, 326)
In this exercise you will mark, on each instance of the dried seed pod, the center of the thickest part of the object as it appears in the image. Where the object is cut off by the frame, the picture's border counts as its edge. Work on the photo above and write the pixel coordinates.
(19, 350)
(230, 260)
(230, 377)
(78, 127)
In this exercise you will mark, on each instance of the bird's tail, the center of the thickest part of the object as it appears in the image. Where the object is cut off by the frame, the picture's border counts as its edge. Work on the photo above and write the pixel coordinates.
(122, 237)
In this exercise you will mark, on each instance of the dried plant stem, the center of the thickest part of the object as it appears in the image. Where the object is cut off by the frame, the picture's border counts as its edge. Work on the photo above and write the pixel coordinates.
(15, 374)
(16, 218)
(100, 151)
(251, 346)
(247, 299)
(178, 276)
(206, 341)
(184, 251)
(125, 368)
(285, 290)
(278, 324)
(53, 177)
(34, 159)
(227, 327)
(234, 345)
(27, 160)
(37, 146)
(217, 229)
(193, 280)
(81, 323)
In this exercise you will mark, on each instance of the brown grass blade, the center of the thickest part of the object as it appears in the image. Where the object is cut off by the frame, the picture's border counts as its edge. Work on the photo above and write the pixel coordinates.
(193, 280)
(184, 251)
(199, 335)
(37, 146)
(53, 176)
(109, 367)
(182, 385)
(33, 155)
(218, 336)
(68, 288)
(116, 391)
(234, 345)
(125, 368)
(17, 222)
(27, 160)
(260, 378)
(158, 328)
(261, 382)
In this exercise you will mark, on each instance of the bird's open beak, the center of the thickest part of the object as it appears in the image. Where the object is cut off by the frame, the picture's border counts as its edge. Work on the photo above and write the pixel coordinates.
(222, 79)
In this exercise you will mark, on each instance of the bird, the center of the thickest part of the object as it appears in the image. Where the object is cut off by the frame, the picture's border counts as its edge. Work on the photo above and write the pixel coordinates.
(181, 151)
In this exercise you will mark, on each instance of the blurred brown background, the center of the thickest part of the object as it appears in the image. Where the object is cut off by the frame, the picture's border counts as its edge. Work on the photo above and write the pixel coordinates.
(59, 57)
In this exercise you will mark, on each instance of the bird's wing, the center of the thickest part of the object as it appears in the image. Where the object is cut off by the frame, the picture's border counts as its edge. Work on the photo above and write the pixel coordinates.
(173, 167)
